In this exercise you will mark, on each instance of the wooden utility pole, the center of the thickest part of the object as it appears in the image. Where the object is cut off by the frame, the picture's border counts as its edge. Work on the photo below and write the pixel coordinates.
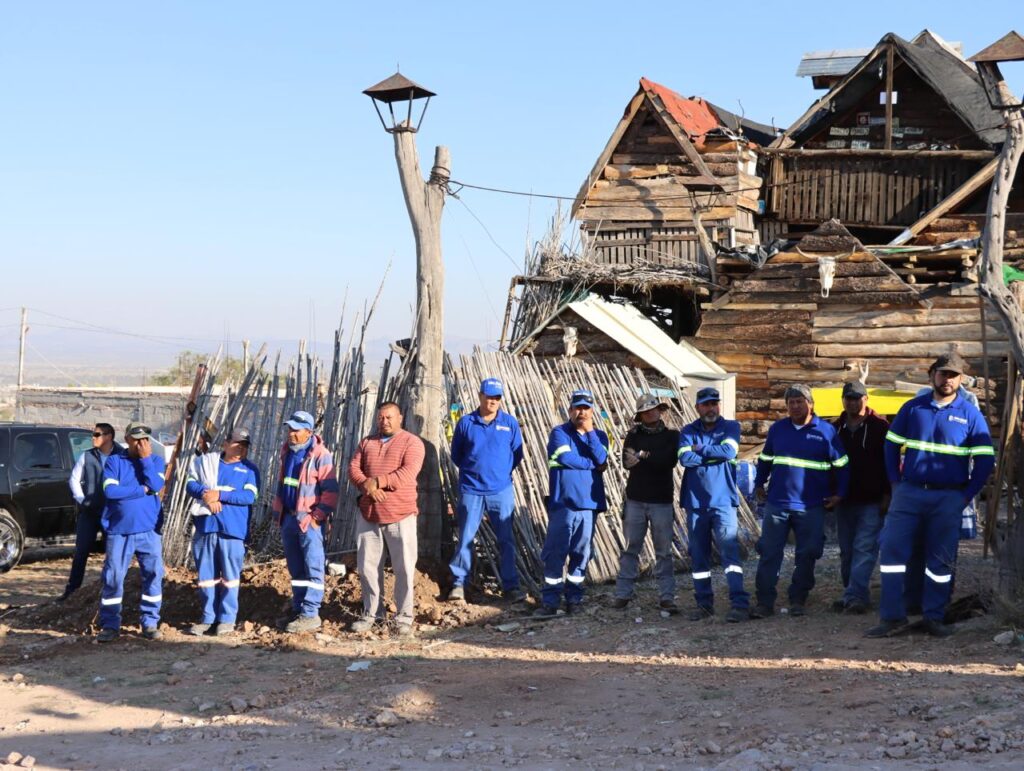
(426, 396)
(21, 347)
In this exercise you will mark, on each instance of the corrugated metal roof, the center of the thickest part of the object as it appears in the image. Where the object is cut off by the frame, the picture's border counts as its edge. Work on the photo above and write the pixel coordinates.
(693, 115)
(631, 329)
(830, 62)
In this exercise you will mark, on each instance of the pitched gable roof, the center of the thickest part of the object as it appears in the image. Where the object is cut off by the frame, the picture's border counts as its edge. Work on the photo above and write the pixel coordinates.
(948, 75)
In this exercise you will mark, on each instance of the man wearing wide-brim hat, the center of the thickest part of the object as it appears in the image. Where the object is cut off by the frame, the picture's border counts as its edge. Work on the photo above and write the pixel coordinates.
(649, 457)
(940, 433)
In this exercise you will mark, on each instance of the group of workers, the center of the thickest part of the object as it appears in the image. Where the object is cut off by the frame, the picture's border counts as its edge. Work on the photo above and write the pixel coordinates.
(898, 493)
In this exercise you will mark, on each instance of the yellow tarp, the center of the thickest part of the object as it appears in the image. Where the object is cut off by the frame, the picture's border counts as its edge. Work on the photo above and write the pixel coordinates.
(828, 402)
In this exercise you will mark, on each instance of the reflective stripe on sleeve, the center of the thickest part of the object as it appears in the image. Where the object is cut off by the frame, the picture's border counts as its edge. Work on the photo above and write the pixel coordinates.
(290, 482)
(840, 462)
(733, 442)
(108, 481)
(553, 460)
(253, 488)
(982, 449)
(685, 448)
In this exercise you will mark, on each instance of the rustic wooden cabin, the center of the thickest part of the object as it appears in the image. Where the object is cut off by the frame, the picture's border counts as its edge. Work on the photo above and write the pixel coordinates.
(776, 326)
(895, 137)
(672, 164)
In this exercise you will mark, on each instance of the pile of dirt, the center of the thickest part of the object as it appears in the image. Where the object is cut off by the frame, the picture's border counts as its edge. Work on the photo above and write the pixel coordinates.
(264, 598)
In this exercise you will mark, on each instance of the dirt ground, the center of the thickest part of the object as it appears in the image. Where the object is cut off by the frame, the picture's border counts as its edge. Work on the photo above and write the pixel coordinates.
(484, 686)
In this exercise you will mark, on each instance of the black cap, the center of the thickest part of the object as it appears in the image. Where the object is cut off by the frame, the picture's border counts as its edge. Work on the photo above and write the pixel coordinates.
(951, 362)
(855, 389)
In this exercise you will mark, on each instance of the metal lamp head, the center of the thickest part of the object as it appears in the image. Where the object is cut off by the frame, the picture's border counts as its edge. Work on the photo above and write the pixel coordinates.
(399, 89)
(1009, 48)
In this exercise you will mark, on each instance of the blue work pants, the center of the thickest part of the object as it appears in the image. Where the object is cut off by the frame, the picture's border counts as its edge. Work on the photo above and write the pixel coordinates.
(218, 561)
(934, 515)
(499, 508)
(809, 528)
(147, 548)
(87, 525)
(304, 554)
(719, 524)
(859, 525)
(569, 534)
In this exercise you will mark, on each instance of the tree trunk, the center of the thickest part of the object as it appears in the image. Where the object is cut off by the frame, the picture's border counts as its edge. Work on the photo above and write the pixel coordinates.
(425, 400)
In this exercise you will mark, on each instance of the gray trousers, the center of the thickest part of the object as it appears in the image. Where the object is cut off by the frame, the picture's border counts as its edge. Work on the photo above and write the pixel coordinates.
(400, 540)
(636, 518)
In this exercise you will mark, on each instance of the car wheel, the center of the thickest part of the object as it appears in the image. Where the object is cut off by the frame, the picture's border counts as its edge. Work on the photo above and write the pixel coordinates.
(12, 541)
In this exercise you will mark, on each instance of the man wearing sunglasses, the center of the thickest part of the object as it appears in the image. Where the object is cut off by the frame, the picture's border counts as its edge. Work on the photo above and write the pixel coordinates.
(487, 445)
(132, 478)
(87, 489)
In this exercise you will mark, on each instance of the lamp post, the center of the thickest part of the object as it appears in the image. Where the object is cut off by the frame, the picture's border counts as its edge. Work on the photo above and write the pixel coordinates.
(425, 401)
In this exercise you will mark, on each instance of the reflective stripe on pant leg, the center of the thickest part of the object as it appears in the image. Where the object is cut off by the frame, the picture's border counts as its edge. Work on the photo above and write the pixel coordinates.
(231, 555)
(293, 557)
(115, 565)
(579, 554)
(553, 554)
(726, 531)
(699, 523)
(149, 553)
(204, 554)
(899, 533)
(942, 540)
(313, 555)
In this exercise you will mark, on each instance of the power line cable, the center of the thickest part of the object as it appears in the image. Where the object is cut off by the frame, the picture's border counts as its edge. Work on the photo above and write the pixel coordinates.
(39, 353)
(488, 232)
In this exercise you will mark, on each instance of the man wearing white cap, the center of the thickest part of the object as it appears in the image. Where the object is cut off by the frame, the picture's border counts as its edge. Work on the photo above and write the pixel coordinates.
(487, 446)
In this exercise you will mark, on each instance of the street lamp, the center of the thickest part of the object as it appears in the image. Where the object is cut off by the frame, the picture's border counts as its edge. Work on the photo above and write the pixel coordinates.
(423, 400)
(399, 88)
(1009, 48)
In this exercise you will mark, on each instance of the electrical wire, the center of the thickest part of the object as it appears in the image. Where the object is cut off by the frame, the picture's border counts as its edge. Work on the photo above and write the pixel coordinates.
(125, 333)
(488, 232)
(39, 353)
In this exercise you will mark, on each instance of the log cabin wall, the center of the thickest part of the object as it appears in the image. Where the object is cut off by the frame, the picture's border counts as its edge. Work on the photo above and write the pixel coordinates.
(777, 329)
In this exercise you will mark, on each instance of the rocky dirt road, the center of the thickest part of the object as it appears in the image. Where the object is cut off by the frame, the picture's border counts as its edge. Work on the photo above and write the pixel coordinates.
(483, 686)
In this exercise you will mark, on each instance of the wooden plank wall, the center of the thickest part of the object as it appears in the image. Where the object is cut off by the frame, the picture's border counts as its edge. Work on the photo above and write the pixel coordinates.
(779, 330)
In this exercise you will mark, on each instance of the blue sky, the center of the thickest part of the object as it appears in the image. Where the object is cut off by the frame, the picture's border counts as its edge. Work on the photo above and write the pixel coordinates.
(210, 170)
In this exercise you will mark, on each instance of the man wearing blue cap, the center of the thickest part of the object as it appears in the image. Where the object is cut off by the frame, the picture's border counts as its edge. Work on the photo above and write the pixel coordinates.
(487, 445)
(707, 450)
(307, 494)
(577, 457)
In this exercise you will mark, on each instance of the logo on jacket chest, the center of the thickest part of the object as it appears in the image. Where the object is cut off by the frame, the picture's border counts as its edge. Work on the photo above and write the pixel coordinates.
(957, 419)
(502, 428)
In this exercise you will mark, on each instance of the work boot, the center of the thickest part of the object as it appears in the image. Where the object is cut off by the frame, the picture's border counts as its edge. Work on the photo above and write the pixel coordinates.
(403, 629)
(303, 624)
(363, 625)
(457, 594)
(545, 612)
(669, 606)
(223, 629)
(618, 603)
(152, 633)
(198, 630)
(796, 609)
(736, 615)
(839, 606)
(700, 613)
(887, 628)
(283, 622)
(65, 595)
(936, 628)
(107, 635)
(573, 608)
(514, 595)
(856, 608)
(761, 611)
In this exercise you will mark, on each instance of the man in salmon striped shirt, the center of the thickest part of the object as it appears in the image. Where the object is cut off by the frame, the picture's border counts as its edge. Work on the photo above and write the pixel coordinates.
(384, 468)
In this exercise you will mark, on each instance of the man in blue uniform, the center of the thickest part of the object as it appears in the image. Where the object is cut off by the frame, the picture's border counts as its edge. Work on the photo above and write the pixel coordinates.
(132, 478)
(941, 433)
(487, 445)
(807, 466)
(577, 458)
(224, 487)
(707, 450)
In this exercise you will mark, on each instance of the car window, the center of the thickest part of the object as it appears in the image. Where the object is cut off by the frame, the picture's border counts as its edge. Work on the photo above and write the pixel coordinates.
(80, 442)
(36, 451)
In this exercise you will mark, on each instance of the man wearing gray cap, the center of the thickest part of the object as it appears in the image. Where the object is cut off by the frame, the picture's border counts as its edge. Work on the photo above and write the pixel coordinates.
(132, 479)
(223, 486)
(649, 455)
(806, 464)
(859, 516)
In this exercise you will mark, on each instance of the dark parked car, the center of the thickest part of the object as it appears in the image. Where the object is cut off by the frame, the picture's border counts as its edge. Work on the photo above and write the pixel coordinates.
(36, 507)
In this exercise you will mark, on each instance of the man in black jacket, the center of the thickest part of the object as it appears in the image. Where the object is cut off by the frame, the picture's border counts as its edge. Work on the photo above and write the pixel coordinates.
(87, 489)
(859, 516)
(649, 454)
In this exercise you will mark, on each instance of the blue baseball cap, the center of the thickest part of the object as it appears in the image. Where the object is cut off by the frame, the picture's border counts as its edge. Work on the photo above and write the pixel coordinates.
(708, 395)
(300, 420)
(581, 398)
(492, 387)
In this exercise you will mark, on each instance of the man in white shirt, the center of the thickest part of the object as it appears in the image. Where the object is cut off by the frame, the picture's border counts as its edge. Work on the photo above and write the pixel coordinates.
(87, 489)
